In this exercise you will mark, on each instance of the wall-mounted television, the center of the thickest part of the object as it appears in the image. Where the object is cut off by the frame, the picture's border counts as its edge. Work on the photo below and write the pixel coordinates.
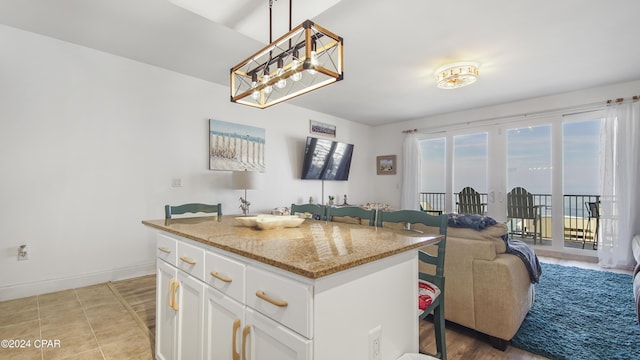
(326, 159)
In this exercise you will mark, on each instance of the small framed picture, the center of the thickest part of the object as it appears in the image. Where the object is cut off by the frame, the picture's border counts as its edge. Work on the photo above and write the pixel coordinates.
(316, 127)
(386, 165)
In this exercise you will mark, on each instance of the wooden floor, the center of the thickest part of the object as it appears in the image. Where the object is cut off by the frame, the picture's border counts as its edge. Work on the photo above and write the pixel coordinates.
(140, 296)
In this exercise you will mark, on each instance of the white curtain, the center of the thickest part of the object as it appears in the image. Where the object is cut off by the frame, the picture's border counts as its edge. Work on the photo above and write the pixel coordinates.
(410, 198)
(619, 187)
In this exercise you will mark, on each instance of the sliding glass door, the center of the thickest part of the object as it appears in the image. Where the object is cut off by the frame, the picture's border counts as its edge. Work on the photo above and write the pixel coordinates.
(539, 176)
(529, 182)
(581, 180)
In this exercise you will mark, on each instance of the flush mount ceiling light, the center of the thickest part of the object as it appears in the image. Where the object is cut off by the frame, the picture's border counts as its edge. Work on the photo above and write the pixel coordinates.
(306, 58)
(456, 75)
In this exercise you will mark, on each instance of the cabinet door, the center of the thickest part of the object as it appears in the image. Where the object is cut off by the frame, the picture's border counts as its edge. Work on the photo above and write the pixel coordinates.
(165, 314)
(190, 315)
(268, 340)
(224, 318)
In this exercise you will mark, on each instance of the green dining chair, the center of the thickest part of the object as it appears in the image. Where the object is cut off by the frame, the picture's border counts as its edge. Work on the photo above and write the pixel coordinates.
(430, 286)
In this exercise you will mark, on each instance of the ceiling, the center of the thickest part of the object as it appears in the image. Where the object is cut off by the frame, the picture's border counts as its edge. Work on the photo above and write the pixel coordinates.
(525, 49)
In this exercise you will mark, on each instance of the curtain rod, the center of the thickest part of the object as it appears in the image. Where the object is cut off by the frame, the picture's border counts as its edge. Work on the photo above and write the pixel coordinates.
(584, 108)
(620, 100)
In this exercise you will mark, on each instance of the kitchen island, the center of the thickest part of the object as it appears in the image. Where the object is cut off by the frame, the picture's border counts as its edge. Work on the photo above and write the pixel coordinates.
(324, 290)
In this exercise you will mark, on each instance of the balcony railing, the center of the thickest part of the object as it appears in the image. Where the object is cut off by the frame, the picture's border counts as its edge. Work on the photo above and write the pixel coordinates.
(579, 224)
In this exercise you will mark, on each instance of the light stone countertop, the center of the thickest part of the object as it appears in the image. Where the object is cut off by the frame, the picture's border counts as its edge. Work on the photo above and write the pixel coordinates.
(313, 250)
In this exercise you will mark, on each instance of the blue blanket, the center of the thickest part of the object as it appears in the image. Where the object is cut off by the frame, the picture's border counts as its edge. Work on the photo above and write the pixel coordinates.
(515, 247)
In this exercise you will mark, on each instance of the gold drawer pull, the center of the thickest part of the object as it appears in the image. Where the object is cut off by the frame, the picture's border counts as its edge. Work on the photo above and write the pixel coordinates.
(235, 355)
(173, 294)
(265, 297)
(164, 250)
(245, 333)
(221, 277)
(187, 260)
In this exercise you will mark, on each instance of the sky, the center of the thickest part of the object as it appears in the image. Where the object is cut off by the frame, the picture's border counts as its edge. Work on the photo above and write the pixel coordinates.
(529, 159)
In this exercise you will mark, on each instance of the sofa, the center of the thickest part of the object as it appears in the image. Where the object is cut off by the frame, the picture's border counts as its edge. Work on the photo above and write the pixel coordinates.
(486, 289)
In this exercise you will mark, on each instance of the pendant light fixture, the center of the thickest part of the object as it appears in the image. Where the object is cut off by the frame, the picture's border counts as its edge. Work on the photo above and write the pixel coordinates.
(306, 58)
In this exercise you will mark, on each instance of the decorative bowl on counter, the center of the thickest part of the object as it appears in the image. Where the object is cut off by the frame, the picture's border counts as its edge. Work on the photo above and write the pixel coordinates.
(265, 222)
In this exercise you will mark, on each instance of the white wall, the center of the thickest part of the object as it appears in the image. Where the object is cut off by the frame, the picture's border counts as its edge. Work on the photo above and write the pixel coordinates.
(389, 138)
(90, 143)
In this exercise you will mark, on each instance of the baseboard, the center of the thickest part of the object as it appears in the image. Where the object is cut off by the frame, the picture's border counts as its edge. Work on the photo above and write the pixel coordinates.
(52, 285)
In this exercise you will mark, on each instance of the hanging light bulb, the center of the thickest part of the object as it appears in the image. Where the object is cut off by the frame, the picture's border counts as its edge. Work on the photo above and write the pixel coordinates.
(282, 82)
(255, 95)
(265, 81)
(295, 65)
(314, 59)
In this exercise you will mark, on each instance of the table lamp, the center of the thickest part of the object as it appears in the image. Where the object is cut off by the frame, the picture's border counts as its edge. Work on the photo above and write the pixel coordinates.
(244, 180)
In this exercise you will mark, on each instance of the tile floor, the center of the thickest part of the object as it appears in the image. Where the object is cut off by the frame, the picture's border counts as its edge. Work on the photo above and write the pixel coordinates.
(85, 323)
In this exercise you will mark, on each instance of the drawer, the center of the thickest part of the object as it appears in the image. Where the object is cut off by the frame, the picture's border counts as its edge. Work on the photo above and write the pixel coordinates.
(225, 275)
(284, 300)
(191, 260)
(167, 248)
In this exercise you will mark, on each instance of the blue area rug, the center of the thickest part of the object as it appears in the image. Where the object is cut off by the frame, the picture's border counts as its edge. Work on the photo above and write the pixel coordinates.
(581, 314)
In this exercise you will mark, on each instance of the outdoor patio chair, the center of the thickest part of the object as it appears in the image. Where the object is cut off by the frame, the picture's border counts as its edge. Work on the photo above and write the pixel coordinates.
(593, 209)
(469, 202)
(520, 206)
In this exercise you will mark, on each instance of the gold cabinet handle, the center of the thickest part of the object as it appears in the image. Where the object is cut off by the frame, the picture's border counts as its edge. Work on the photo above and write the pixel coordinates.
(187, 260)
(164, 250)
(176, 284)
(235, 355)
(267, 298)
(170, 293)
(173, 291)
(245, 333)
(216, 275)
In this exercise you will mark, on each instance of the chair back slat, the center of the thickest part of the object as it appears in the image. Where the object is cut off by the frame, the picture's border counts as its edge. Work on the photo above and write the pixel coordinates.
(353, 212)
(191, 208)
(318, 211)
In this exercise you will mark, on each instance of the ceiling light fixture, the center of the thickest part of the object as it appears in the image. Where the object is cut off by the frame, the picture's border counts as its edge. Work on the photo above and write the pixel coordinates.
(456, 75)
(306, 58)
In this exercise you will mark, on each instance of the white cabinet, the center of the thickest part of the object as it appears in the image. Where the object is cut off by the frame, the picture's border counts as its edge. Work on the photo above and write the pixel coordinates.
(223, 322)
(179, 303)
(265, 339)
(213, 304)
(204, 312)
(190, 314)
(165, 314)
(282, 299)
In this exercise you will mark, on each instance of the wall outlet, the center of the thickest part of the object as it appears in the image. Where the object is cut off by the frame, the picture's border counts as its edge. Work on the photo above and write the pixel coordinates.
(23, 254)
(176, 182)
(375, 343)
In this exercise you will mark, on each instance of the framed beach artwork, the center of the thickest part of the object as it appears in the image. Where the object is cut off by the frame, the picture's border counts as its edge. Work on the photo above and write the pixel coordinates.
(235, 146)
(386, 165)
